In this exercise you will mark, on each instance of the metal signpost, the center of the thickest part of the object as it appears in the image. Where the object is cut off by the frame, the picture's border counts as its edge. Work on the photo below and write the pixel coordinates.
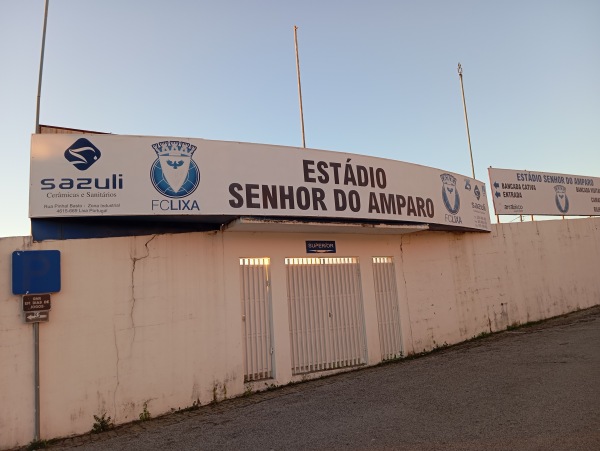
(36, 274)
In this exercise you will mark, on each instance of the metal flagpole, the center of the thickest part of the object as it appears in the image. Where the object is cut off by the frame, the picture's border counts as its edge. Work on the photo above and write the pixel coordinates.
(299, 86)
(462, 89)
(36, 325)
(37, 110)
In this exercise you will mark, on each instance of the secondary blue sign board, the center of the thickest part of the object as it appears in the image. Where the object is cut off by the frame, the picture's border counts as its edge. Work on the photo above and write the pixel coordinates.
(35, 272)
(320, 247)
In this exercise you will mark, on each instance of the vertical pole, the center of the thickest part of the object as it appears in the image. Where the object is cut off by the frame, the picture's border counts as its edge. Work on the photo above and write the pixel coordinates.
(532, 217)
(462, 89)
(498, 219)
(39, 92)
(36, 326)
(36, 369)
(299, 86)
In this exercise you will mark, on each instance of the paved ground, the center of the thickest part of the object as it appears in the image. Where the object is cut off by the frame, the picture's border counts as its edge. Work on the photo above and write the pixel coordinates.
(534, 388)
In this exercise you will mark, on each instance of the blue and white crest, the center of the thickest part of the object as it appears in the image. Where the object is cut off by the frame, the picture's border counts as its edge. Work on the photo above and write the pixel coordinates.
(477, 192)
(82, 154)
(562, 201)
(174, 173)
(449, 193)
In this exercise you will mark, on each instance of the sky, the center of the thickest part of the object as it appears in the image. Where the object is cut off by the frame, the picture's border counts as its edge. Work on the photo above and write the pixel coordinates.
(379, 78)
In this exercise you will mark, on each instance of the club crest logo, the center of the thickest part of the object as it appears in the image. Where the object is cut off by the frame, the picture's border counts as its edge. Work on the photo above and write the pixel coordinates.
(562, 201)
(477, 192)
(174, 173)
(449, 193)
(82, 154)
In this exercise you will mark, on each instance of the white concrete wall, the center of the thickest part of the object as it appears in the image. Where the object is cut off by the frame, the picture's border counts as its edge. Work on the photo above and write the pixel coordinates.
(460, 285)
(157, 319)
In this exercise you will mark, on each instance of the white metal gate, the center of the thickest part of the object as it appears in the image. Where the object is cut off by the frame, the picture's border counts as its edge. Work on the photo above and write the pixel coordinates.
(255, 295)
(388, 315)
(325, 313)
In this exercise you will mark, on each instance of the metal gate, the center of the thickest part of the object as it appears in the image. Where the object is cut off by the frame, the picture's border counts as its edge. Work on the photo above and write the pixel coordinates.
(325, 313)
(388, 315)
(255, 295)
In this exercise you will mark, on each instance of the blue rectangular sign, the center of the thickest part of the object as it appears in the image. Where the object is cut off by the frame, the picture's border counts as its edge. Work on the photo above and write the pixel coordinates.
(35, 272)
(320, 247)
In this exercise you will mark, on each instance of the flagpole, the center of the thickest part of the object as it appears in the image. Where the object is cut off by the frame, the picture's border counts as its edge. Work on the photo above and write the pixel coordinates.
(462, 89)
(36, 325)
(39, 92)
(299, 86)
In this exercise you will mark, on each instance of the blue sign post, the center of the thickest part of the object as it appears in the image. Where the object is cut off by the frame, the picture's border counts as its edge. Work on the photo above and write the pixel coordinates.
(36, 272)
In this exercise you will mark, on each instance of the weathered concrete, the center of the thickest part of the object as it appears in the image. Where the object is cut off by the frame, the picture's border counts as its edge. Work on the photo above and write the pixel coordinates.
(532, 388)
(159, 321)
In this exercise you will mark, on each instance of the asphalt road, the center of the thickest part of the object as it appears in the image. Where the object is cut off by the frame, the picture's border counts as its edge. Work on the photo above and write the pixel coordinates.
(534, 388)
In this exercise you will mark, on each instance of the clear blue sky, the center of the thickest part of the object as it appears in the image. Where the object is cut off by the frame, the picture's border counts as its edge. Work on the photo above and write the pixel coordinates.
(378, 78)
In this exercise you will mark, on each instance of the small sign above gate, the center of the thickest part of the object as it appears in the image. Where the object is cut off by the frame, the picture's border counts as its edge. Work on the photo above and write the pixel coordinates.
(320, 247)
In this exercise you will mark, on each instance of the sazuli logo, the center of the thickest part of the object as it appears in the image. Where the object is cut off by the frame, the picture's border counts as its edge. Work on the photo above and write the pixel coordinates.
(174, 173)
(82, 154)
